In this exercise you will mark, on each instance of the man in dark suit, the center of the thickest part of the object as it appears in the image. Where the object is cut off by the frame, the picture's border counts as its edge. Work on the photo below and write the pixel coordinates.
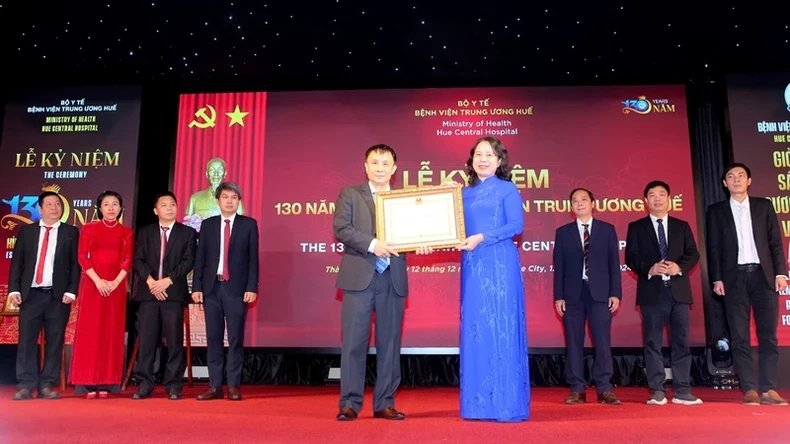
(164, 253)
(225, 281)
(43, 282)
(661, 251)
(587, 287)
(747, 267)
(373, 277)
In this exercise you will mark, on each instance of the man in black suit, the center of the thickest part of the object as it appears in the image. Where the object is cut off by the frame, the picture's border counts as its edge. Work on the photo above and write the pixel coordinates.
(373, 279)
(225, 281)
(164, 253)
(43, 282)
(747, 267)
(587, 287)
(661, 251)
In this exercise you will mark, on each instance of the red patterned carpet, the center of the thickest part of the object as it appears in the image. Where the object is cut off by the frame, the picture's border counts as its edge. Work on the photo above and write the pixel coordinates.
(307, 415)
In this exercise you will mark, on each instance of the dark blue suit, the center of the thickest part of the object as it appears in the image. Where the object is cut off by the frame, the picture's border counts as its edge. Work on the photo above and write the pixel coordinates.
(587, 300)
(224, 300)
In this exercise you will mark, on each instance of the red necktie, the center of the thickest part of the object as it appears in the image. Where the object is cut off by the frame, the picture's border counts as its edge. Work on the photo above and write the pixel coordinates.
(42, 257)
(226, 247)
(162, 250)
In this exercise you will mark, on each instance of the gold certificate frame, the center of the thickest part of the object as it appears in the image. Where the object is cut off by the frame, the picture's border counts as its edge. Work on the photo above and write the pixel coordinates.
(9, 308)
(429, 216)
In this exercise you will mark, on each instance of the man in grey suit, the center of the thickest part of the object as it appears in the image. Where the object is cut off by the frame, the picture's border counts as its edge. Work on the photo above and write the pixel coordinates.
(373, 277)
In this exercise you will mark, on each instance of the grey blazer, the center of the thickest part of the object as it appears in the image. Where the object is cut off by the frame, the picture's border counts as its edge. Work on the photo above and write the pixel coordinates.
(355, 226)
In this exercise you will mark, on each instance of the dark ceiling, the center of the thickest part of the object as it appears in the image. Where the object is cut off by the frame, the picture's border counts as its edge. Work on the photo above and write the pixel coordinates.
(346, 44)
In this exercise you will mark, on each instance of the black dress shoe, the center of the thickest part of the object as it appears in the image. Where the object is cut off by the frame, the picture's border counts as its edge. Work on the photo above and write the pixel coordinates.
(23, 395)
(174, 395)
(347, 414)
(211, 394)
(608, 398)
(234, 394)
(48, 393)
(142, 394)
(389, 413)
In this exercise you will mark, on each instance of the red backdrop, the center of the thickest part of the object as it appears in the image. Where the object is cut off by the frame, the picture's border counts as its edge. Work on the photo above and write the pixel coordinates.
(600, 138)
(760, 122)
(204, 135)
(75, 141)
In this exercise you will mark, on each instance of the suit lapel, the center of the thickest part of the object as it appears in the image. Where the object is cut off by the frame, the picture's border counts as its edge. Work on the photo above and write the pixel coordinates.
(170, 238)
(653, 234)
(577, 238)
(755, 224)
(675, 241)
(237, 225)
(729, 220)
(367, 195)
(60, 240)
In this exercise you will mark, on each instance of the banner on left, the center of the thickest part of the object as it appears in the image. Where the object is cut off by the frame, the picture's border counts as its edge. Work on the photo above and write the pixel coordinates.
(77, 142)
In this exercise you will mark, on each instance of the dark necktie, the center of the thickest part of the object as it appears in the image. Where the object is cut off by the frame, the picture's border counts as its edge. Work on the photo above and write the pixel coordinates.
(225, 249)
(162, 248)
(42, 257)
(662, 240)
(586, 249)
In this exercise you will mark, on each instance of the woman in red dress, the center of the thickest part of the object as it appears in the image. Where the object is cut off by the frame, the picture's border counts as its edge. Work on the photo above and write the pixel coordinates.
(105, 255)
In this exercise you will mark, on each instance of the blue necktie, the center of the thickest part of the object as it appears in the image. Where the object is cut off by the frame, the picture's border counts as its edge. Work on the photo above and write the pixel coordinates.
(381, 264)
(662, 240)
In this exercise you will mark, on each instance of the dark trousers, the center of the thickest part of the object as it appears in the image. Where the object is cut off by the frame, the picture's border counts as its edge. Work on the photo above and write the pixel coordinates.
(358, 308)
(220, 306)
(654, 317)
(577, 314)
(157, 319)
(752, 292)
(41, 308)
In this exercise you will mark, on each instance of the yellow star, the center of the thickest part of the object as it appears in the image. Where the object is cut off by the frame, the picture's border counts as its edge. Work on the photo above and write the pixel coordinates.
(236, 117)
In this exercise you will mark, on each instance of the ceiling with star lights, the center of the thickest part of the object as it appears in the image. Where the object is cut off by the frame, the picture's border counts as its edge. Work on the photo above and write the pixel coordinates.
(357, 44)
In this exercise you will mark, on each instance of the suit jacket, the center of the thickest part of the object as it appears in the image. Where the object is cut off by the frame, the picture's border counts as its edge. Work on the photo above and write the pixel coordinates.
(355, 227)
(242, 255)
(722, 240)
(604, 273)
(179, 259)
(642, 251)
(66, 269)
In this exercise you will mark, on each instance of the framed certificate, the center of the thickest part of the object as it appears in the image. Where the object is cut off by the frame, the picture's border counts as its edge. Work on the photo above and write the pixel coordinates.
(429, 216)
(9, 308)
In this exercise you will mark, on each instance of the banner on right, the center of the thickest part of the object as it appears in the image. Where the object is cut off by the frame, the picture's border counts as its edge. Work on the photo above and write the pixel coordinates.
(759, 107)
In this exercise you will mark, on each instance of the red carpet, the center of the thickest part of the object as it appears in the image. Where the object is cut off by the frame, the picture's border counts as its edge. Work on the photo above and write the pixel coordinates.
(307, 415)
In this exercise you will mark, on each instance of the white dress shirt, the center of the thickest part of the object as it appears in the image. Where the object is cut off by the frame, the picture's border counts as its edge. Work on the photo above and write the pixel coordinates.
(581, 236)
(372, 246)
(170, 230)
(747, 248)
(49, 259)
(222, 238)
(665, 220)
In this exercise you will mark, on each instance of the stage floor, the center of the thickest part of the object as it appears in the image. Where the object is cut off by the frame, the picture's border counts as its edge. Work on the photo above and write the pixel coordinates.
(274, 414)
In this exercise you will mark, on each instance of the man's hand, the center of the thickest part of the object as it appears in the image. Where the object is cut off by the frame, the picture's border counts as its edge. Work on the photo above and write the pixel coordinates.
(161, 296)
(66, 300)
(560, 307)
(197, 296)
(614, 304)
(383, 250)
(658, 269)
(250, 297)
(673, 269)
(718, 288)
(781, 283)
(16, 299)
(160, 285)
(424, 250)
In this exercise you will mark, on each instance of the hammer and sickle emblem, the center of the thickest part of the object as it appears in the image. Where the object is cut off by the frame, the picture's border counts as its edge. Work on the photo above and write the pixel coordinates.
(207, 120)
